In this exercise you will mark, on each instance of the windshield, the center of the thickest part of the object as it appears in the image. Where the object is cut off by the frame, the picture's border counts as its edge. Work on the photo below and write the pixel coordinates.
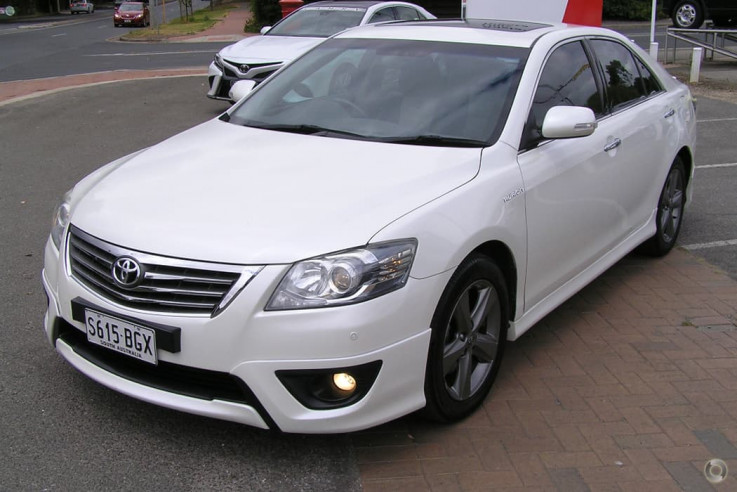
(131, 7)
(318, 22)
(415, 92)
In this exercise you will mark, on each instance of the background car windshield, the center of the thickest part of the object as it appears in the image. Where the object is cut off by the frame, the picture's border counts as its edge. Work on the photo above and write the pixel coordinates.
(318, 22)
(391, 90)
(131, 7)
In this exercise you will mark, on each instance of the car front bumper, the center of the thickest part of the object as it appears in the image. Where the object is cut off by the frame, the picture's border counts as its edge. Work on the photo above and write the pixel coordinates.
(250, 346)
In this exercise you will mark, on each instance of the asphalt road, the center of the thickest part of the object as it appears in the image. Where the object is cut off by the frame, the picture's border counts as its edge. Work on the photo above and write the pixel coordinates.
(58, 429)
(82, 44)
(710, 226)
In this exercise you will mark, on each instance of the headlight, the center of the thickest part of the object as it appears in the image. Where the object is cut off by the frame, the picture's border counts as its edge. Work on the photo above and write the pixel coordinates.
(61, 220)
(346, 277)
(218, 61)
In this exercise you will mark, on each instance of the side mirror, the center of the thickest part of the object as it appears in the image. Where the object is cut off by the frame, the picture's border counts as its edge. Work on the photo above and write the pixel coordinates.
(568, 122)
(240, 89)
(265, 29)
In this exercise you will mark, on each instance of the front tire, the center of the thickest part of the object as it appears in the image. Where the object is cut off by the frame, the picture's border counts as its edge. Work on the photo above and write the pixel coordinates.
(688, 14)
(669, 216)
(469, 331)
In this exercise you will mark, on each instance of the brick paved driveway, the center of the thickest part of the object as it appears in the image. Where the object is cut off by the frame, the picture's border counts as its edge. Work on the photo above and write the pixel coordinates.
(631, 383)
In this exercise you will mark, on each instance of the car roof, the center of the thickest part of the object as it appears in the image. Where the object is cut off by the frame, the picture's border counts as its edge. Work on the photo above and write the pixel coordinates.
(479, 31)
(345, 3)
(365, 4)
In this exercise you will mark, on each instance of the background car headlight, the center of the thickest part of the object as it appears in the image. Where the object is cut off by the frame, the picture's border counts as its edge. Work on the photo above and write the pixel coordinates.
(345, 277)
(218, 61)
(60, 220)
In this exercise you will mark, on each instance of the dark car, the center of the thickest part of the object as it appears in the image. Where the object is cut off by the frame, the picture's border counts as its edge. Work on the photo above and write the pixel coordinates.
(691, 14)
(132, 14)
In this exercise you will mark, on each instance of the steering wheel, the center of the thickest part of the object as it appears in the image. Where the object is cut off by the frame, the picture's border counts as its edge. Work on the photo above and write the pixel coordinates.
(352, 107)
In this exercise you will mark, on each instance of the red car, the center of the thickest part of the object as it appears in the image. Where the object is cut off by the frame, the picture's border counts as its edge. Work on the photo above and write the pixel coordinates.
(132, 14)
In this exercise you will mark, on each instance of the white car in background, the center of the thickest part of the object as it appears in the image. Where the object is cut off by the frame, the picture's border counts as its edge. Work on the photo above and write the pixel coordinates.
(359, 236)
(257, 57)
(78, 6)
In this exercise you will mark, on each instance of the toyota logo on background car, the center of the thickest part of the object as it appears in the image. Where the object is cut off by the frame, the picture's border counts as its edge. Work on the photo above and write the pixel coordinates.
(127, 272)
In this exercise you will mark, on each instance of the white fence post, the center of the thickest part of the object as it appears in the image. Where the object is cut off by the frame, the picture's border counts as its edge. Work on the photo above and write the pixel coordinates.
(654, 50)
(696, 64)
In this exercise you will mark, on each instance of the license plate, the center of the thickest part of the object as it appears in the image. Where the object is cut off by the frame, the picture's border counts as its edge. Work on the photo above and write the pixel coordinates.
(126, 21)
(122, 336)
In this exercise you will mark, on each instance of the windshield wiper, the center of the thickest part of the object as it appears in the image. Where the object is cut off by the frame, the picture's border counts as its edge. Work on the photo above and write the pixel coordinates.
(435, 141)
(304, 129)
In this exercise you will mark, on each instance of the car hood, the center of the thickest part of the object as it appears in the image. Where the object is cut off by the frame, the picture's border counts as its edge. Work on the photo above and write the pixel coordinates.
(226, 193)
(266, 49)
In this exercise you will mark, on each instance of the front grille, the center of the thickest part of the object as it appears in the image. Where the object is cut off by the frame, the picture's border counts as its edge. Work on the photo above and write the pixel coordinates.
(252, 66)
(229, 72)
(255, 71)
(260, 77)
(168, 284)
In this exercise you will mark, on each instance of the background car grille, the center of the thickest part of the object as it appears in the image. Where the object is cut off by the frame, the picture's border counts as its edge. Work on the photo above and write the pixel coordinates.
(256, 71)
(168, 285)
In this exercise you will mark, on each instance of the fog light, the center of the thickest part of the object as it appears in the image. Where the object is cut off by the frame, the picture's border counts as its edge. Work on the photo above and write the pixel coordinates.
(344, 382)
(336, 387)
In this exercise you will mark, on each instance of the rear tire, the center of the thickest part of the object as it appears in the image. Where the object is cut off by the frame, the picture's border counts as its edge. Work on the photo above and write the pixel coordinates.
(469, 331)
(669, 216)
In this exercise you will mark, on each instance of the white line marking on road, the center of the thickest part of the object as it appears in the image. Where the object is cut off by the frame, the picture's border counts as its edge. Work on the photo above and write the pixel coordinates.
(716, 120)
(57, 35)
(713, 244)
(709, 166)
(155, 53)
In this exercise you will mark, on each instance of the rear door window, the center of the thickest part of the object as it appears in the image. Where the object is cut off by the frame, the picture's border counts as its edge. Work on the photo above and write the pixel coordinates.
(408, 14)
(383, 15)
(624, 85)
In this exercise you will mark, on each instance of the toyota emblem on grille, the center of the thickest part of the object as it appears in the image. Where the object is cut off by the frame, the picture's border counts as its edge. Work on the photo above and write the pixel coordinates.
(127, 272)
(244, 68)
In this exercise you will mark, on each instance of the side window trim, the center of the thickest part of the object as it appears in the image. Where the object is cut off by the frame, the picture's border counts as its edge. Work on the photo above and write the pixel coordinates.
(599, 78)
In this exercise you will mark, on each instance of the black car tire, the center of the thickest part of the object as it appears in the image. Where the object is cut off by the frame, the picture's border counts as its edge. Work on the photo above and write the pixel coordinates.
(688, 14)
(669, 216)
(469, 331)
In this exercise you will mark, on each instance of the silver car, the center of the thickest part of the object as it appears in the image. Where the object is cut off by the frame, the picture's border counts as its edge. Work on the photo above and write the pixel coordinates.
(257, 57)
(78, 6)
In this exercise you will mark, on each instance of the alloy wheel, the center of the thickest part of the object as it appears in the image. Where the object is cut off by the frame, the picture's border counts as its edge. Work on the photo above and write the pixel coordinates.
(471, 340)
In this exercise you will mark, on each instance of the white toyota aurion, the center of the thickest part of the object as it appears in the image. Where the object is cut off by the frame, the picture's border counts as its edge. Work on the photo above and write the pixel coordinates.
(360, 236)
(257, 57)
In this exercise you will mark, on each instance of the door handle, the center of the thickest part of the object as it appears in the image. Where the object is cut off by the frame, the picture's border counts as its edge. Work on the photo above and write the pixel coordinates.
(670, 113)
(613, 145)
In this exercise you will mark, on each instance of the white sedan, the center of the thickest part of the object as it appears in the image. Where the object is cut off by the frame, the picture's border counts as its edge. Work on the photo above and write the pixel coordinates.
(255, 58)
(360, 236)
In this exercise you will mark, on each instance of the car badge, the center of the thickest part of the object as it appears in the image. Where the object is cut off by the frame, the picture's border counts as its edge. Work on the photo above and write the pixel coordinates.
(127, 272)
(244, 68)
